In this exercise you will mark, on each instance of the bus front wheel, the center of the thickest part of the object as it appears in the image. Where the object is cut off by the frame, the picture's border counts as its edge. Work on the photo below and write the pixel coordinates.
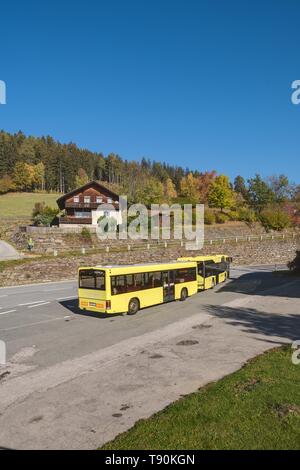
(184, 294)
(133, 306)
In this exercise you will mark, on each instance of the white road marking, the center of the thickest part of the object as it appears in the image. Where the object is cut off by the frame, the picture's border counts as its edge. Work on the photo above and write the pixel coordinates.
(38, 305)
(45, 283)
(60, 288)
(31, 303)
(239, 302)
(31, 324)
(8, 311)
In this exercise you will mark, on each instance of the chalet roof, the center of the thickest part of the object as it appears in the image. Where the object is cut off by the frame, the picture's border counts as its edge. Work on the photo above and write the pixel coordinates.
(61, 200)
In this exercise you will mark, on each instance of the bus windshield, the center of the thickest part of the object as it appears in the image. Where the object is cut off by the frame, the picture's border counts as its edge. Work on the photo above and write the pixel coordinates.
(92, 279)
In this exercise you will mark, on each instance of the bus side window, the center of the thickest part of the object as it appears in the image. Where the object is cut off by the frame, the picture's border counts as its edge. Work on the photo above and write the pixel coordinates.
(113, 285)
(157, 279)
(100, 280)
(200, 269)
(185, 275)
(139, 281)
(130, 282)
(118, 285)
(209, 268)
(148, 280)
(223, 266)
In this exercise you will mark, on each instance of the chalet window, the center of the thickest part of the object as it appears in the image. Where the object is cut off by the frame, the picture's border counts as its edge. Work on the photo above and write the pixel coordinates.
(82, 214)
(87, 199)
(99, 199)
(76, 198)
(109, 200)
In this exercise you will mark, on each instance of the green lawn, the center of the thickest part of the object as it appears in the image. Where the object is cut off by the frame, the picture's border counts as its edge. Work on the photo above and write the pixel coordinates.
(257, 407)
(14, 205)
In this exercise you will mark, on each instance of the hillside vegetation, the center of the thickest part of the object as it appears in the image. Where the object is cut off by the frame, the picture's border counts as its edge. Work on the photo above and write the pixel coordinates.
(20, 205)
(33, 164)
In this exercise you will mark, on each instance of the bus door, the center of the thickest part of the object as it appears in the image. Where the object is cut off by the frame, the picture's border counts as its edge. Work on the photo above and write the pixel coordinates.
(201, 275)
(168, 285)
(216, 269)
(210, 278)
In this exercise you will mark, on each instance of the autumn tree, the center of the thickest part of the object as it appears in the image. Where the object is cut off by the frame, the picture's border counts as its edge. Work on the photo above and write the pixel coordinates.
(239, 186)
(204, 182)
(170, 192)
(39, 175)
(189, 188)
(260, 195)
(6, 184)
(81, 178)
(220, 194)
(151, 193)
(23, 176)
(280, 187)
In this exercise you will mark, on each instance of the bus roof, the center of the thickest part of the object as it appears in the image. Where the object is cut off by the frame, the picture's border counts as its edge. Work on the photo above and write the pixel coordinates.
(202, 257)
(144, 266)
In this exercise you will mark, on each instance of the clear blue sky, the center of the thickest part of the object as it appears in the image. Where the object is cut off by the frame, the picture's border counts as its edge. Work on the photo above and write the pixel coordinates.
(204, 84)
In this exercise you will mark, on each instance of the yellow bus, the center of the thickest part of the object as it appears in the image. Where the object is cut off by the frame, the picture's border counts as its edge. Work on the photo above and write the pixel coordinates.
(211, 269)
(118, 289)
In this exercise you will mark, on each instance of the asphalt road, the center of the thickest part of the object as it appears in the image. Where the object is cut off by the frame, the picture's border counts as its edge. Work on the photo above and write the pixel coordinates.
(7, 251)
(75, 380)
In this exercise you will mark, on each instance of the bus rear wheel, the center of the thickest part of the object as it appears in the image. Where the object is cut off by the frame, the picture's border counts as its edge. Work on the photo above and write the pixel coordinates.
(133, 306)
(183, 294)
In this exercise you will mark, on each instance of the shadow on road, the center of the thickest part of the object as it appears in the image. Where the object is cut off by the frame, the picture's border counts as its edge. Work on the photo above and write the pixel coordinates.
(253, 321)
(72, 306)
(278, 284)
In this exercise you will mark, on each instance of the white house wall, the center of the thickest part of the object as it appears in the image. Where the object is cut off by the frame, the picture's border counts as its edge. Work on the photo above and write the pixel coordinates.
(99, 213)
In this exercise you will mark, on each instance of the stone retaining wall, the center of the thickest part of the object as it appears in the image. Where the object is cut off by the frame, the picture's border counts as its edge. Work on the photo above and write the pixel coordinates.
(253, 252)
(46, 241)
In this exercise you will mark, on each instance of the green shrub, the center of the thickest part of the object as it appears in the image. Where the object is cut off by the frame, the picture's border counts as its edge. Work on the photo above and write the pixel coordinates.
(209, 217)
(6, 184)
(85, 233)
(43, 215)
(275, 218)
(233, 214)
(295, 264)
(245, 214)
(221, 218)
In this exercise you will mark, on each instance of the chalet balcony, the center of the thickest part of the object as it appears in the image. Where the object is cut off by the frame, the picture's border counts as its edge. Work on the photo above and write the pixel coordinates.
(75, 220)
(87, 205)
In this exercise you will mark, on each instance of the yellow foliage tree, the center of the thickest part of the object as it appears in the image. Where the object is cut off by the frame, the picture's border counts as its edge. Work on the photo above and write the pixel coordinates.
(170, 191)
(189, 188)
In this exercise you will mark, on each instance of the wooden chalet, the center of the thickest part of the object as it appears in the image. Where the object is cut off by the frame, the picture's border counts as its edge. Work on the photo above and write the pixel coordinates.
(84, 205)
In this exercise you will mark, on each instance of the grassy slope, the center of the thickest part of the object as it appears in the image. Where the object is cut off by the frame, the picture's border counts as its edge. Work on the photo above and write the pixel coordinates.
(257, 407)
(15, 205)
